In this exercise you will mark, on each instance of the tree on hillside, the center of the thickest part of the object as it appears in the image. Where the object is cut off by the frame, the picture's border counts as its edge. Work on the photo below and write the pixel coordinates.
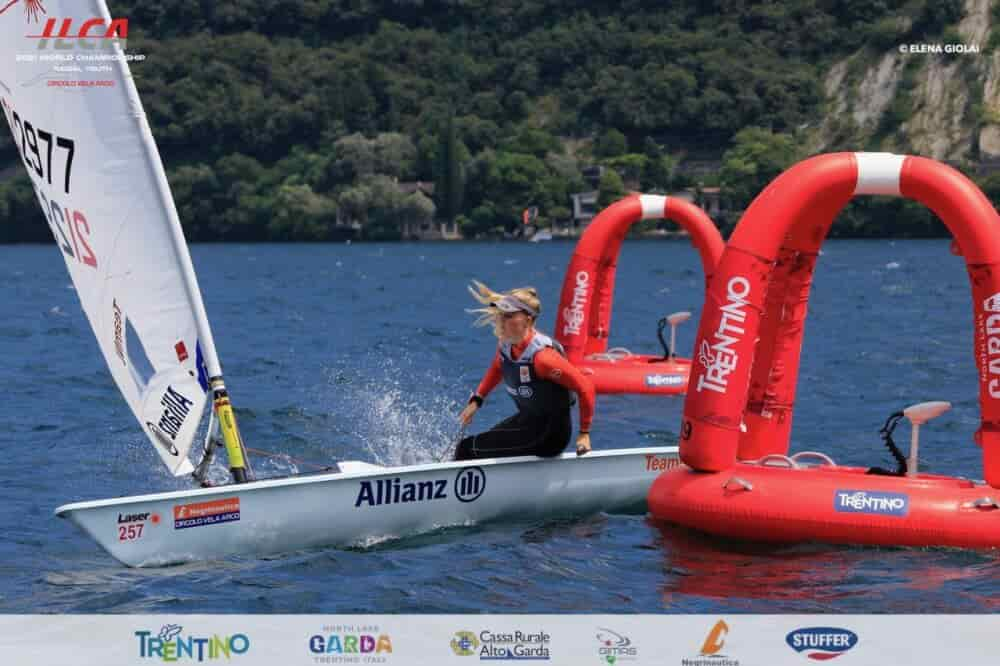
(449, 182)
(755, 159)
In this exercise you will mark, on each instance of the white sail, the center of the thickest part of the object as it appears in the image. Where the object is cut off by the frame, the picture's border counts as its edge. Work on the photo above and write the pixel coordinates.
(86, 144)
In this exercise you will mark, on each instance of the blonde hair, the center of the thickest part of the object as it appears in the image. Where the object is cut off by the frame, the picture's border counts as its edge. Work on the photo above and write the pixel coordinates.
(491, 315)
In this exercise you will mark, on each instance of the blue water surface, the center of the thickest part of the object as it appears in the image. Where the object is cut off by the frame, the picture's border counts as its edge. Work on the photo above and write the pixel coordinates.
(365, 352)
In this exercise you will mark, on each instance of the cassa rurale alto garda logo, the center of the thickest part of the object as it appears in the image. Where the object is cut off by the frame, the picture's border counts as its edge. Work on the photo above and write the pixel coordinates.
(464, 644)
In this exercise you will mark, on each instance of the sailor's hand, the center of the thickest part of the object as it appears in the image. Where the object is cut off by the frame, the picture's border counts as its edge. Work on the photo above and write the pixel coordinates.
(582, 443)
(468, 413)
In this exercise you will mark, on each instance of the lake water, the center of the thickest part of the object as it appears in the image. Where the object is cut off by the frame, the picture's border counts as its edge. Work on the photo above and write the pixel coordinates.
(365, 352)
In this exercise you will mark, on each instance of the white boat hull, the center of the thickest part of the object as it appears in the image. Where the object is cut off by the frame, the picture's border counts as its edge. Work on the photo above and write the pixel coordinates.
(364, 504)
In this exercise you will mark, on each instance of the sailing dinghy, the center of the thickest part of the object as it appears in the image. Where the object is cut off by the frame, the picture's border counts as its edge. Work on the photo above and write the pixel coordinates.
(88, 149)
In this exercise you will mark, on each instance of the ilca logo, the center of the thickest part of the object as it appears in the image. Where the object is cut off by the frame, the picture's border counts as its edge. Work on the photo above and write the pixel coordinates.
(464, 644)
(615, 647)
(33, 9)
(711, 650)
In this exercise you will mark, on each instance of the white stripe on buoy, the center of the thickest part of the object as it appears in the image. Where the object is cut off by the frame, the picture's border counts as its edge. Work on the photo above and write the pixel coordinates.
(878, 173)
(653, 206)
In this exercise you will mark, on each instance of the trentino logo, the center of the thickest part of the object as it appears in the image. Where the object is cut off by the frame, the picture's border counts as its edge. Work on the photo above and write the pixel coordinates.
(821, 643)
(711, 649)
(864, 501)
(170, 645)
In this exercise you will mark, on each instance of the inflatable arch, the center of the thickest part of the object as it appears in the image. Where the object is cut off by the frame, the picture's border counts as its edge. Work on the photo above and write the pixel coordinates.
(583, 320)
(738, 411)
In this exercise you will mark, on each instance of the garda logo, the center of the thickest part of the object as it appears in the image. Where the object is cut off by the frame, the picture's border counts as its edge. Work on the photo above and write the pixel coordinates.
(350, 644)
(664, 380)
(863, 501)
(711, 650)
(464, 644)
(821, 643)
(171, 645)
(615, 647)
(574, 313)
(988, 344)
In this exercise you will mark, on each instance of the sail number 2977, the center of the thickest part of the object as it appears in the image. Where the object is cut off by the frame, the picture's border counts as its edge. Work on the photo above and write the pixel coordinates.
(70, 227)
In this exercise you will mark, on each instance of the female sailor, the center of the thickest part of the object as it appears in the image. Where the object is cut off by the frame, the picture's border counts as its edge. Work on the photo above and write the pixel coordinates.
(536, 375)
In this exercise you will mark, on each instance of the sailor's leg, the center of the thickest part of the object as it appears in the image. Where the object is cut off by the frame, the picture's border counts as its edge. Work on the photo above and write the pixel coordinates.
(557, 434)
(518, 435)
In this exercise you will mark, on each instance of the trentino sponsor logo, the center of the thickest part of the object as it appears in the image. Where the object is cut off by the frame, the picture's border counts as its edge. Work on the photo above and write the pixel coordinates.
(206, 513)
(469, 484)
(574, 313)
(170, 645)
(711, 649)
(865, 501)
(718, 357)
(615, 647)
(665, 380)
(821, 643)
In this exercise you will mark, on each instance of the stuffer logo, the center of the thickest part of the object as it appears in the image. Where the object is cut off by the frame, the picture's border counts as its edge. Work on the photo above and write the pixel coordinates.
(33, 9)
(821, 643)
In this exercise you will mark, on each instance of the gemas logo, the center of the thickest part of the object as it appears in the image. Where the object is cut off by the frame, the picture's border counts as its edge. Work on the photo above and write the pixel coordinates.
(464, 644)
(711, 649)
(170, 645)
(821, 643)
(33, 9)
(615, 647)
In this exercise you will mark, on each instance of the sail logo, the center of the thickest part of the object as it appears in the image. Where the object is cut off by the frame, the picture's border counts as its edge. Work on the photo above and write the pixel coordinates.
(989, 344)
(33, 9)
(719, 358)
(119, 329)
(821, 643)
(170, 645)
(91, 34)
(711, 650)
(176, 408)
(574, 313)
(214, 512)
(863, 501)
(615, 647)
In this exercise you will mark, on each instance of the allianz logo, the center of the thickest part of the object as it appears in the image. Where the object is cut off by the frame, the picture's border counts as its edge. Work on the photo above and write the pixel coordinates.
(468, 486)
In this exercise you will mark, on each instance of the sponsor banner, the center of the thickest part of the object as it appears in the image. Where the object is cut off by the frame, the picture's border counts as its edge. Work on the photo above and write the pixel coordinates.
(206, 513)
(573, 640)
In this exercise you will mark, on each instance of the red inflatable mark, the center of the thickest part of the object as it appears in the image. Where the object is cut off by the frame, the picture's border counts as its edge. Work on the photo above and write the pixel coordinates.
(583, 320)
(739, 406)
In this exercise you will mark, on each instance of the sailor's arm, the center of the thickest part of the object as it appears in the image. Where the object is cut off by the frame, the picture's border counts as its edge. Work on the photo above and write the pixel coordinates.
(489, 382)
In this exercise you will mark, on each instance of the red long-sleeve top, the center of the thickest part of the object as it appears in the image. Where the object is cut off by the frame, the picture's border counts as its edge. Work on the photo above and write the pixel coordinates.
(553, 366)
